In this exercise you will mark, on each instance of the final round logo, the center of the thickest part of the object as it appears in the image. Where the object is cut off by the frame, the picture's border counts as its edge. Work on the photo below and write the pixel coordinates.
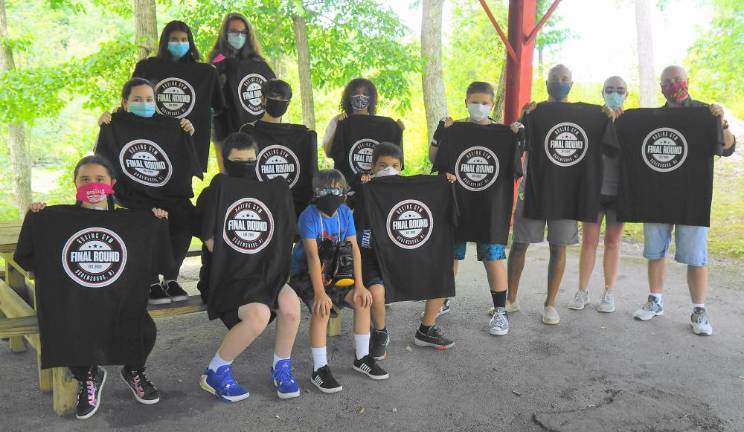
(249, 93)
(94, 257)
(664, 149)
(360, 155)
(174, 97)
(409, 224)
(566, 144)
(145, 162)
(278, 161)
(477, 168)
(249, 226)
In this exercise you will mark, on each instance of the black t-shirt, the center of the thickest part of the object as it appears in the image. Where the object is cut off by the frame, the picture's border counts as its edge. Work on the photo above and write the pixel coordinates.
(666, 164)
(486, 160)
(252, 224)
(565, 143)
(289, 151)
(153, 157)
(241, 82)
(93, 269)
(413, 225)
(185, 90)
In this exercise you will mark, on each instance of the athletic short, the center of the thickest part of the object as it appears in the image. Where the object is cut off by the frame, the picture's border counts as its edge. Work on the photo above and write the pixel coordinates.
(230, 319)
(371, 273)
(304, 288)
(561, 232)
(691, 243)
(607, 208)
(486, 251)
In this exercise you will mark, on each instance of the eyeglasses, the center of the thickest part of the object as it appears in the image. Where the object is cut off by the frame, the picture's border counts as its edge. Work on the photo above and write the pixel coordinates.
(619, 90)
(329, 191)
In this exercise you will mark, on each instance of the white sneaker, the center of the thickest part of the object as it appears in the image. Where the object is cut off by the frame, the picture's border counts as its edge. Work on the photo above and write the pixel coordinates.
(499, 324)
(700, 323)
(550, 316)
(607, 302)
(512, 307)
(649, 310)
(581, 299)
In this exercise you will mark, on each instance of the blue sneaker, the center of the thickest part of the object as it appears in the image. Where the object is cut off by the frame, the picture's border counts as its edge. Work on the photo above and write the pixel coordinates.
(222, 384)
(286, 386)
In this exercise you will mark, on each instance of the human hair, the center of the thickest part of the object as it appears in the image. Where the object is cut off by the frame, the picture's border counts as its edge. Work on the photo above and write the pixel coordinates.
(386, 149)
(480, 87)
(93, 160)
(132, 83)
(250, 51)
(276, 88)
(352, 86)
(329, 178)
(163, 53)
(238, 141)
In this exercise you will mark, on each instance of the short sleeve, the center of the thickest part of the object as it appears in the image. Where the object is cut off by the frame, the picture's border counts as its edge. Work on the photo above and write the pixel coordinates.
(139, 70)
(438, 134)
(308, 225)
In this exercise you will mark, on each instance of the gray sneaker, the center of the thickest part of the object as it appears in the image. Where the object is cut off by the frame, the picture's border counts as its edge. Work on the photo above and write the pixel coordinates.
(607, 302)
(580, 300)
(649, 310)
(700, 323)
(499, 325)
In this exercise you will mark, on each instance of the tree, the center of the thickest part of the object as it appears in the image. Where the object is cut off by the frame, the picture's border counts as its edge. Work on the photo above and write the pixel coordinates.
(552, 34)
(645, 44)
(299, 26)
(146, 27)
(435, 99)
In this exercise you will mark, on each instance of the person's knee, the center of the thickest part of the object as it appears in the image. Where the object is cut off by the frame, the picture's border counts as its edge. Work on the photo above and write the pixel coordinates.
(378, 293)
(590, 236)
(518, 249)
(557, 251)
(255, 315)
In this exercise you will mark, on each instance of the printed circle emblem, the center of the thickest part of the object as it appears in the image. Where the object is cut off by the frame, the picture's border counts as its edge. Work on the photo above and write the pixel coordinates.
(94, 257)
(409, 224)
(249, 226)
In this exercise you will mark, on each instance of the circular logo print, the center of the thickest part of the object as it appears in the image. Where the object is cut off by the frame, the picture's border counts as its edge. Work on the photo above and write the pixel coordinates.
(94, 257)
(477, 168)
(249, 226)
(249, 93)
(566, 144)
(278, 161)
(174, 97)
(409, 224)
(360, 155)
(664, 149)
(145, 162)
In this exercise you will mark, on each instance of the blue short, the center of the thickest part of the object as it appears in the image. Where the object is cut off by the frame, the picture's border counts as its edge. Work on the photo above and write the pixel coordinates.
(691, 243)
(486, 251)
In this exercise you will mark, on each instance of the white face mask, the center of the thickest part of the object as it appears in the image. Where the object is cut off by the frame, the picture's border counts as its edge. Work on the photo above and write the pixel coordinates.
(387, 171)
(479, 112)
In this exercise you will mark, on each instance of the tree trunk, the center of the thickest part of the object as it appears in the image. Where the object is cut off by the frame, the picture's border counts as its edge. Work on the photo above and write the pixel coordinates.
(303, 65)
(146, 27)
(645, 48)
(19, 154)
(435, 100)
(498, 103)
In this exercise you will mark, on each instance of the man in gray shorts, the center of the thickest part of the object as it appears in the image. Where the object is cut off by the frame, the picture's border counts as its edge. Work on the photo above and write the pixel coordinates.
(561, 233)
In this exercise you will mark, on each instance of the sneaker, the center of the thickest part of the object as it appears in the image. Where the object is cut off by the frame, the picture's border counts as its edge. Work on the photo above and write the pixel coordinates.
(175, 292)
(649, 310)
(378, 343)
(512, 307)
(324, 380)
(89, 393)
(550, 316)
(607, 302)
(442, 310)
(499, 324)
(284, 381)
(700, 323)
(433, 338)
(223, 385)
(369, 367)
(158, 296)
(581, 299)
(142, 389)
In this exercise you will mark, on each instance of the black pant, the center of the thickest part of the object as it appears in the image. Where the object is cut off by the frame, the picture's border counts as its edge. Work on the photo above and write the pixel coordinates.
(149, 333)
(180, 238)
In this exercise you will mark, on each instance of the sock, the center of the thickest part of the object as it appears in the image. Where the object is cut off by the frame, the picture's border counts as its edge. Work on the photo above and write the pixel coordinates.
(424, 329)
(499, 299)
(277, 359)
(361, 344)
(217, 362)
(657, 297)
(698, 305)
(319, 358)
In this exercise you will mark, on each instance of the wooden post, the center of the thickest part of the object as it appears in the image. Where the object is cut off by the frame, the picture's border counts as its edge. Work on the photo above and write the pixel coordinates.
(334, 324)
(45, 375)
(65, 391)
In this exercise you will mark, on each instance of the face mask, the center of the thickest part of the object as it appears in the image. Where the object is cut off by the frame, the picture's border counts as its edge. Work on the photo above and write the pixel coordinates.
(93, 193)
(328, 204)
(614, 100)
(558, 90)
(242, 169)
(142, 109)
(276, 108)
(387, 171)
(178, 49)
(675, 92)
(359, 102)
(236, 40)
(479, 112)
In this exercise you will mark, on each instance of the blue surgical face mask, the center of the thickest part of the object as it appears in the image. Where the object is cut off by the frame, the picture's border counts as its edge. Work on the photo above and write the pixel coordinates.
(479, 112)
(142, 109)
(558, 90)
(236, 40)
(178, 49)
(614, 100)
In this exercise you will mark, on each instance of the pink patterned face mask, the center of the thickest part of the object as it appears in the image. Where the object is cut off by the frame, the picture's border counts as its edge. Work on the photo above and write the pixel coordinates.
(94, 193)
(675, 91)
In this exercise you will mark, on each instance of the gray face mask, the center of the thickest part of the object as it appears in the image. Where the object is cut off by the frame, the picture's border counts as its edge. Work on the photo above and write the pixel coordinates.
(387, 171)
(359, 102)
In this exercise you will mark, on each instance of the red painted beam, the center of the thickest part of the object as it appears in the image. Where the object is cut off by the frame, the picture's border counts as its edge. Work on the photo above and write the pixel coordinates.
(519, 69)
(509, 48)
(544, 19)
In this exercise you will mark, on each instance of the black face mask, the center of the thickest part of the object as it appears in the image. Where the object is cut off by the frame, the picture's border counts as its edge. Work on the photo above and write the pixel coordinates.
(276, 108)
(243, 169)
(328, 204)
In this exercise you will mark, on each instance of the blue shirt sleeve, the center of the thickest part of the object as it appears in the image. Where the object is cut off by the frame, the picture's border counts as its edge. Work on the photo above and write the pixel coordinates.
(307, 224)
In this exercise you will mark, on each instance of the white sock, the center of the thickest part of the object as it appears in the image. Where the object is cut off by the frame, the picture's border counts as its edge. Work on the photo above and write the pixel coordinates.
(319, 357)
(657, 297)
(698, 305)
(361, 342)
(217, 362)
(277, 359)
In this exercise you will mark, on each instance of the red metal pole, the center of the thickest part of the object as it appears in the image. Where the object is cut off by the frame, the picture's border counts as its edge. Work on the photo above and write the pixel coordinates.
(519, 70)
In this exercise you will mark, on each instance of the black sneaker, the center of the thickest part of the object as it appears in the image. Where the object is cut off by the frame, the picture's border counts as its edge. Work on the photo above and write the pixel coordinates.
(324, 380)
(158, 296)
(378, 343)
(141, 387)
(433, 338)
(89, 393)
(174, 290)
(369, 367)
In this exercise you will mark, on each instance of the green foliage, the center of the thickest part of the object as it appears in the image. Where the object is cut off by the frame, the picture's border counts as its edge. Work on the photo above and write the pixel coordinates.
(553, 32)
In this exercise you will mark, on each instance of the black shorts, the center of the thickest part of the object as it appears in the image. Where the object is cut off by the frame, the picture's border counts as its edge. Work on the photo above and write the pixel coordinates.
(304, 288)
(230, 319)
(371, 273)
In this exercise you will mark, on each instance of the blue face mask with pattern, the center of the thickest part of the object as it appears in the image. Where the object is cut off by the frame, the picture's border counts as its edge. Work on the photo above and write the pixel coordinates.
(614, 100)
(236, 40)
